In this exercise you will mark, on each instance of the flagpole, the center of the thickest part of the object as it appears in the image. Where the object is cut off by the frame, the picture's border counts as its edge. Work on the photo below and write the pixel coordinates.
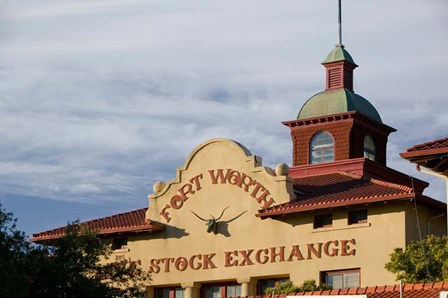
(340, 24)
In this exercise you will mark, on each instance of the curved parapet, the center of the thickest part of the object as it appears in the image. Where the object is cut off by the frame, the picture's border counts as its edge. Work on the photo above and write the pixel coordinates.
(219, 172)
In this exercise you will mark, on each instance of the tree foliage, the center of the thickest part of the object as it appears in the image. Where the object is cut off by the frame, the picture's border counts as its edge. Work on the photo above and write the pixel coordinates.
(421, 261)
(286, 287)
(75, 265)
(13, 256)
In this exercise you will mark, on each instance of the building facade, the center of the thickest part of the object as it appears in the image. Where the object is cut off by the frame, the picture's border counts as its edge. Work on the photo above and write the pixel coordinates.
(228, 226)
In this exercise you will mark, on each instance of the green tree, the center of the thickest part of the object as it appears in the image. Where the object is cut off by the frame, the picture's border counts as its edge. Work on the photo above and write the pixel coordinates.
(14, 249)
(421, 261)
(310, 285)
(286, 287)
(75, 265)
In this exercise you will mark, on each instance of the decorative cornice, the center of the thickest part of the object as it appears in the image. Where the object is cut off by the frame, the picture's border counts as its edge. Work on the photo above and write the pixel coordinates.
(339, 117)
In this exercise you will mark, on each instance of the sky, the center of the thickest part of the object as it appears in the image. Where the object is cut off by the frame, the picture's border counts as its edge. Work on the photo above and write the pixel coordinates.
(99, 99)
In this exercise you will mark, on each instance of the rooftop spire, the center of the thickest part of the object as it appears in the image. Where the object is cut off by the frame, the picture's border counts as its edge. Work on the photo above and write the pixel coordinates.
(339, 64)
(340, 24)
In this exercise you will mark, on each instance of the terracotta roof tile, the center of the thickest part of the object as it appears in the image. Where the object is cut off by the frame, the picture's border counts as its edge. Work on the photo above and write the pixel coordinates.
(132, 221)
(427, 151)
(418, 286)
(338, 189)
(436, 144)
(428, 290)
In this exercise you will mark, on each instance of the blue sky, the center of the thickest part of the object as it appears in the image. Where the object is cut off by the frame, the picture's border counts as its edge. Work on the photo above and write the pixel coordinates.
(100, 99)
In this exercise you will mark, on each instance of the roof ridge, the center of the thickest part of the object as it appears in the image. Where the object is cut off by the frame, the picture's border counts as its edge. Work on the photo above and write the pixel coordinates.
(114, 216)
(349, 174)
(378, 181)
(323, 174)
(391, 184)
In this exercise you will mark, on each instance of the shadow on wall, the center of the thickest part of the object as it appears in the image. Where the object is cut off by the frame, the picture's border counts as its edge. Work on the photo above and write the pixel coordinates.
(174, 232)
(213, 225)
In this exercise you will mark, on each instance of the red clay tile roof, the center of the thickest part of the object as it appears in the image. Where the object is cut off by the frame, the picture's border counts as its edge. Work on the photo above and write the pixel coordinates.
(427, 290)
(342, 189)
(133, 221)
(436, 144)
(430, 149)
(359, 166)
(432, 155)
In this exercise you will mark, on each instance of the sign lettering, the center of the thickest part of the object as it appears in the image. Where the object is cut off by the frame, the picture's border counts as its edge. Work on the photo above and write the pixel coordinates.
(248, 257)
(219, 176)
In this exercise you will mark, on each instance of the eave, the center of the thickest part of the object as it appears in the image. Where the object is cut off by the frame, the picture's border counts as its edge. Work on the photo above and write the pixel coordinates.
(435, 159)
(421, 199)
(151, 228)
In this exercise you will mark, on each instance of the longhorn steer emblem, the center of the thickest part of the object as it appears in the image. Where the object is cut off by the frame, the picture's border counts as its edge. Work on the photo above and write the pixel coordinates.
(212, 223)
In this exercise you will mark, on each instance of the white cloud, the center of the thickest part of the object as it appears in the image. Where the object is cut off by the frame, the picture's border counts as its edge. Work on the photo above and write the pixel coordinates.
(99, 99)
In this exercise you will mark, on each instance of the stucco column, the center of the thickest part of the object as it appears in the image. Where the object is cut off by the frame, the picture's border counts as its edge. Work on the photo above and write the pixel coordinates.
(191, 289)
(247, 286)
(188, 292)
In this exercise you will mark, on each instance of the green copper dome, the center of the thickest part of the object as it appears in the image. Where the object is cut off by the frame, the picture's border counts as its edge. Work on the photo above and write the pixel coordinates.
(339, 54)
(335, 102)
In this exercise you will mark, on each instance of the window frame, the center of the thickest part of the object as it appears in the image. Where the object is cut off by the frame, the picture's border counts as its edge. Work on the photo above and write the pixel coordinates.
(119, 243)
(369, 152)
(350, 218)
(317, 224)
(321, 147)
(276, 281)
(342, 272)
(171, 291)
(223, 288)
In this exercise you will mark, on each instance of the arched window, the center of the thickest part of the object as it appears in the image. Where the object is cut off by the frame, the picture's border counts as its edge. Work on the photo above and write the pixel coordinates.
(322, 147)
(369, 148)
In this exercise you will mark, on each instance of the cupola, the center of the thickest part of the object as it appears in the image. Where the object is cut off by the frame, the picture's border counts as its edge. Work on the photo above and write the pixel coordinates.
(339, 65)
(338, 124)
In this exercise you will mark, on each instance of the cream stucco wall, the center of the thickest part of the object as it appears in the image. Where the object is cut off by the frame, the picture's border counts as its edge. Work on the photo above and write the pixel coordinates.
(375, 240)
(246, 248)
(430, 221)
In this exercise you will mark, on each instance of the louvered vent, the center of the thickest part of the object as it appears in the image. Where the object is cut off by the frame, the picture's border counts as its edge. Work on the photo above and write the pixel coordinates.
(348, 79)
(334, 78)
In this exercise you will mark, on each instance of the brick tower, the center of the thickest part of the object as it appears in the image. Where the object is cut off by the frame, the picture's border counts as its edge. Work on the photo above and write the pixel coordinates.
(338, 124)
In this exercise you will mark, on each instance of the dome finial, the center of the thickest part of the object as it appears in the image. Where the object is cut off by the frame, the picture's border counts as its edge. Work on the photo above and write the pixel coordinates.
(340, 25)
